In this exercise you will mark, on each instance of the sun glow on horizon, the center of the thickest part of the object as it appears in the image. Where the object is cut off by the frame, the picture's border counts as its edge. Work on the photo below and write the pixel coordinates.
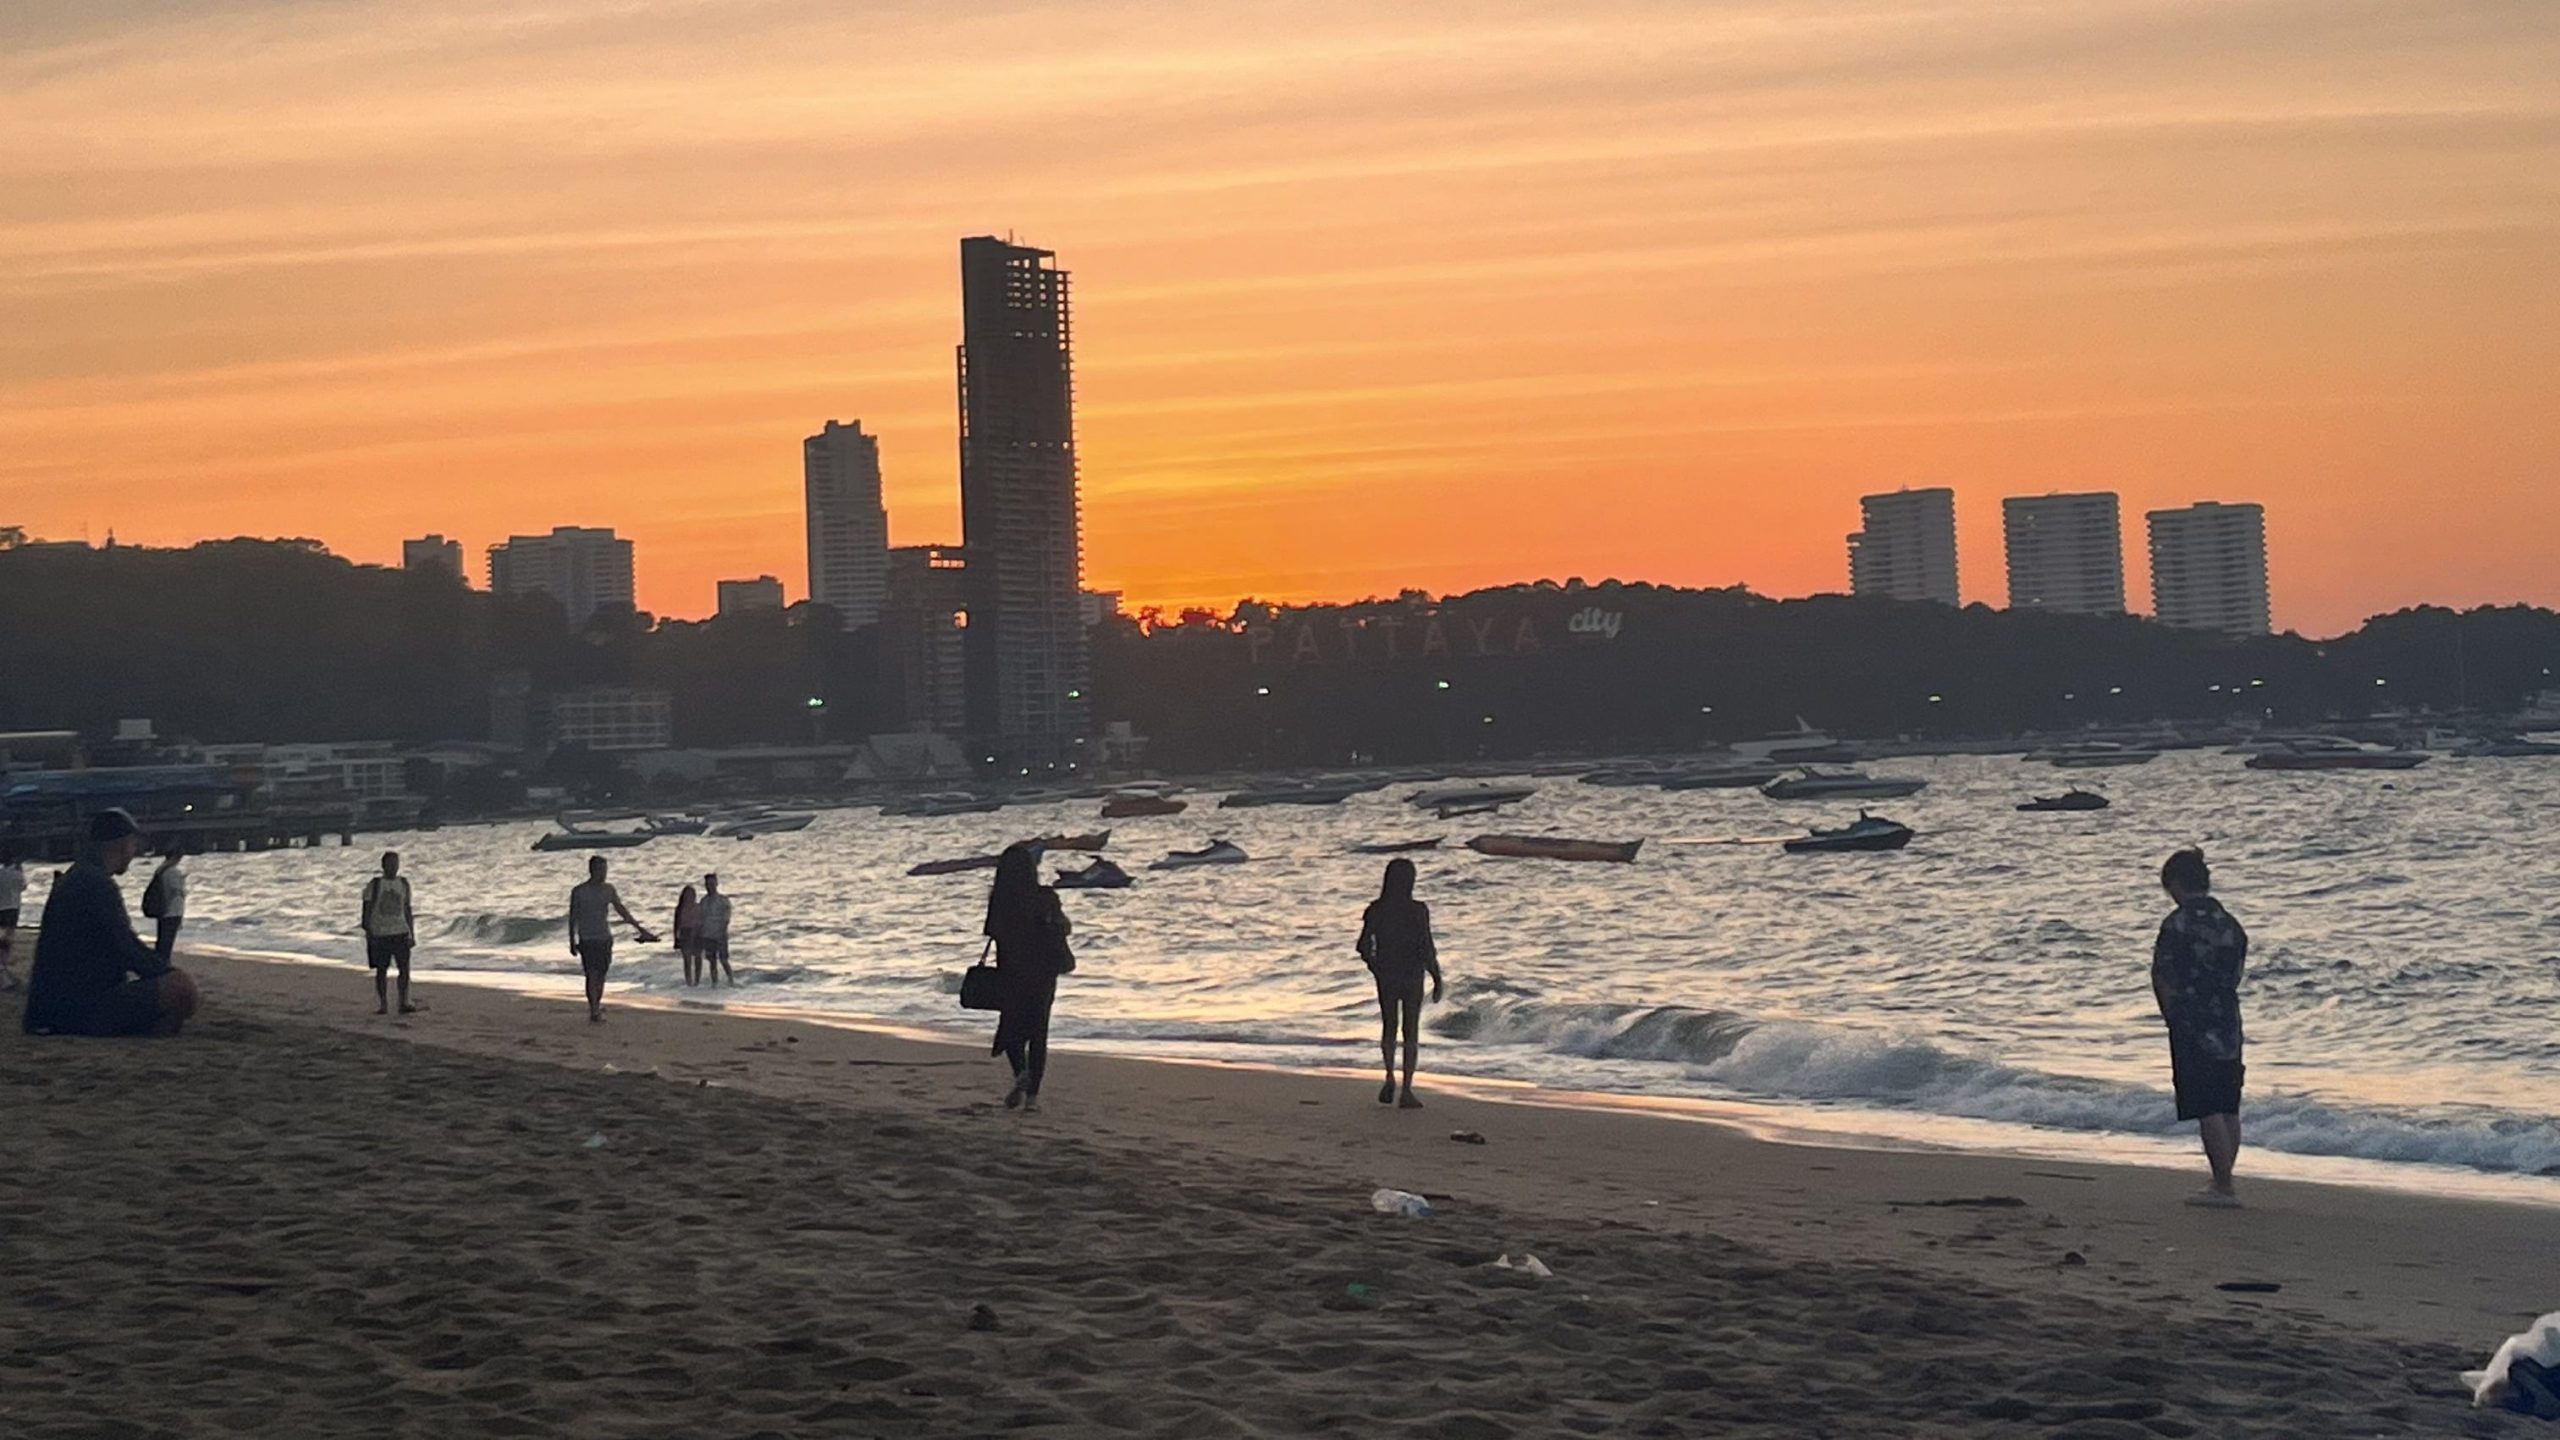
(1366, 298)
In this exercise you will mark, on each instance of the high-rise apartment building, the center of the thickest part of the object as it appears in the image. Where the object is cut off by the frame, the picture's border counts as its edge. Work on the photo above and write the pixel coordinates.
(924, 635)
(2066, 552)
(1025, 642)
(432, 552)
(848, 525)
(585, 569)
(1908, 549)
(737, 597)
(2209, 568)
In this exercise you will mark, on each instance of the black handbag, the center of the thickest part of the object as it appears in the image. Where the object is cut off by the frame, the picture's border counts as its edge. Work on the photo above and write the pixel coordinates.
(980, 987)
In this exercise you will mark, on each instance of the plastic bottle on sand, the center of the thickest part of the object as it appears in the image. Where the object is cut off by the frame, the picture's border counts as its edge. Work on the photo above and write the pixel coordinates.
(1401, 1202)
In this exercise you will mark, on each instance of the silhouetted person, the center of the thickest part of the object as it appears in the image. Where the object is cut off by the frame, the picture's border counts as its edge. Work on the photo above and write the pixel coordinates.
(13, 893)
(1395, 940)
(715, 932)
(390, 933)
(1030, 931)
(592, 907)
(2196, 966)
(85, 947)
(165, 900)
(688, 927)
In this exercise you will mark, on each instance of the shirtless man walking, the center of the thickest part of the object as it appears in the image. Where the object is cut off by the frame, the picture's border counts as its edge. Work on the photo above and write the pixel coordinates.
(592, 907)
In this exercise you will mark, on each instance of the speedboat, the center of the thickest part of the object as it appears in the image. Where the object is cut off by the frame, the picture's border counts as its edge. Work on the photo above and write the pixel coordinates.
(1810, 784)
(775, 822)
(1292, 794)
(1100, 875)
(1721, 777)
(2067, 800)
(1869, 832)
(1452, 797)
(2501, 747)
(1551, 847)
(961, 805)
(676, 824)
(1125, 807)
(1094, 841)
(2096, 755)
(1216, 852)
(593, 839)
(2329, 752)
(1803, 745)
(954, 867)
(1396, 847)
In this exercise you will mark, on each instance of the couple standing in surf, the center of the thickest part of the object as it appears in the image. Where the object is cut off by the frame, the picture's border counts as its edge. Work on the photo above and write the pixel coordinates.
(1027, 930)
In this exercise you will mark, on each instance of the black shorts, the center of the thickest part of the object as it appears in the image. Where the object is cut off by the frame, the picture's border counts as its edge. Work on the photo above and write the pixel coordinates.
(714, 947)
(384, 951)
(9, 918)
(2206, 1085)
(595, 957)
(132, 1008)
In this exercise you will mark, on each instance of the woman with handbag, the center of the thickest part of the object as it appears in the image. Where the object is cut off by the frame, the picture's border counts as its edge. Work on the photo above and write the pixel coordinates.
(1028, 930)
(1395, 941)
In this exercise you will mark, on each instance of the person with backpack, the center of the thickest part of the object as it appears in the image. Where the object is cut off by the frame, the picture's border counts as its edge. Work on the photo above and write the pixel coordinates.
(165, 900)
(390, 933)
(1027, 931)
(1395, 942)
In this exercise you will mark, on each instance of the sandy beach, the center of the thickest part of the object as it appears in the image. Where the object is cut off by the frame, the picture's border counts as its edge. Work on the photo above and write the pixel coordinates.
(494, 1218)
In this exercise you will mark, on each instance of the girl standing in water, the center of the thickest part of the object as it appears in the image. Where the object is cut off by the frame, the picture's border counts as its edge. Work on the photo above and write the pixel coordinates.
(688, 930)
(1395, 940)
(1030, 930)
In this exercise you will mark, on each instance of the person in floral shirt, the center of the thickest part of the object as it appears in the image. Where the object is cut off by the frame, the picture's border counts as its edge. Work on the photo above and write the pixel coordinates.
(2196, 966)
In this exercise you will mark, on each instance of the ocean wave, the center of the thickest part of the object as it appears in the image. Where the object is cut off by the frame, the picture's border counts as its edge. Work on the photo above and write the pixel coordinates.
(1800, 1061)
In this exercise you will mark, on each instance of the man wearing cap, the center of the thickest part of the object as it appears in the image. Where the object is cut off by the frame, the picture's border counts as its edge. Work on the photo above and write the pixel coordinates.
(85, 947)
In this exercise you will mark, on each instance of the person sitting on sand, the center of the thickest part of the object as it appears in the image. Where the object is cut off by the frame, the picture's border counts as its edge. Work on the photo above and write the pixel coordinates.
(688, 928)
(1030, 932)
(715, 932)
(592, 907)
(85, 946)
(2196, 964)
(1395, 941)
(13, 890)
(390, 933)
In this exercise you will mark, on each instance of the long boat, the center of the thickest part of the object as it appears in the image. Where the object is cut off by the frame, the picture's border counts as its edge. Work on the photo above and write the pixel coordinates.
(1551, 847)
(593, 839)
(1396, 847)
(1094, 841)
(1126, 807)
(954, 867)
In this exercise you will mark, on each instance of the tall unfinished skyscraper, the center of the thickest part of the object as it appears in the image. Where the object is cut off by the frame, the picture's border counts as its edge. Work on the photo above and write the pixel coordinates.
(1026, 667)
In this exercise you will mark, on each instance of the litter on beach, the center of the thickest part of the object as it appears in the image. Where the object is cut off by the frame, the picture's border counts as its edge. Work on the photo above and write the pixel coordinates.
(2524, 1375)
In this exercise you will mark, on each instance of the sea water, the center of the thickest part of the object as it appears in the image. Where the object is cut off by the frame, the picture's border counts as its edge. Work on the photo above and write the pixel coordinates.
(1987, 985)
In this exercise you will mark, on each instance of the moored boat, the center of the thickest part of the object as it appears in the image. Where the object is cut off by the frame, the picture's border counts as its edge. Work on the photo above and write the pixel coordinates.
(2096, 755)
(1721, 777)
(1100, 875)
(1452, 797)
(676, 824)
(954, 867)
(1811, 784)
(2067, 800)
(1291, 794)
(1868, 832)
(1216, 852)
(1552, 847)
(1095, 841)
(593, 839)
(2328, 752)
(1396, 847)
(773, 822)
(1142, 800)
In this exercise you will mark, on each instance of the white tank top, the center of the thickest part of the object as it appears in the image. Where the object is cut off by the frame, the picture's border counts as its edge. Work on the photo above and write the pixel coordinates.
(389, 914)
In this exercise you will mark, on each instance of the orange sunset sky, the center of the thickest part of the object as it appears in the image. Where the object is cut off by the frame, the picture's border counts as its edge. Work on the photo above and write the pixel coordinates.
(1367, 295)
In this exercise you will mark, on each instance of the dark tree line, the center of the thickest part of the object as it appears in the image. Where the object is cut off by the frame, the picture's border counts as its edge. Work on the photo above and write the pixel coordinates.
(279, 640)
(1683, 668)
(276, 640)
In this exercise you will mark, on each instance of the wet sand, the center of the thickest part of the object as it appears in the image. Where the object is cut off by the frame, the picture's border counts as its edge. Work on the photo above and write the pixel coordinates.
(494, 1218)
